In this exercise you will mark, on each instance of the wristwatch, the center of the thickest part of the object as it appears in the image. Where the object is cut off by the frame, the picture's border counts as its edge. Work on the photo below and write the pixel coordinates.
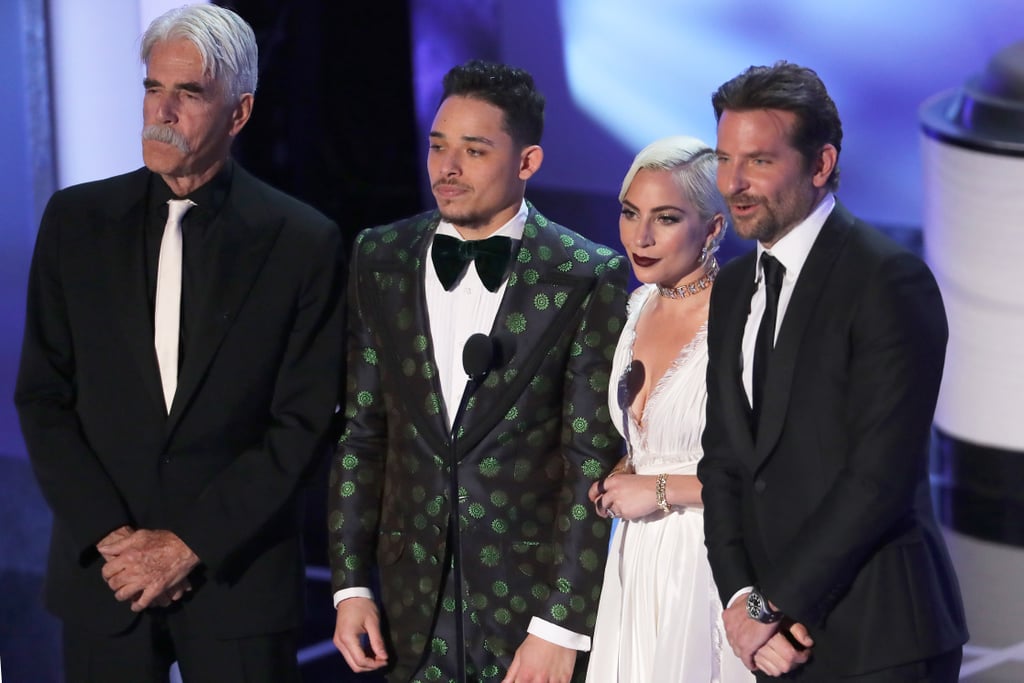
(759, 610)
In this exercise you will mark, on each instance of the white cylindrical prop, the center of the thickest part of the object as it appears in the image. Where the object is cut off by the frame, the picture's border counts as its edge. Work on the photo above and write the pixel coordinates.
(974, 242)
(973, 148)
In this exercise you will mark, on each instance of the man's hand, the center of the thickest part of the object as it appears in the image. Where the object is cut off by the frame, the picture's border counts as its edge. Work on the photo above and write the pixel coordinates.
(113, 537)
(540, 661)
(779, 656)
(147, 566)
(358, 617)
(172, 594)
(746, 635)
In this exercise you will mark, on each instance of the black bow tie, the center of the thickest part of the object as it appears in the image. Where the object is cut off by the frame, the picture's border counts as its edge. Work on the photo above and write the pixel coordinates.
(491, 256)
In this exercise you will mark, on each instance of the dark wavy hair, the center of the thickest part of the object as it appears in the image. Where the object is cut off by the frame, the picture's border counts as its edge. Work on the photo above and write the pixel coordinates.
(789, 87)
(510, 89)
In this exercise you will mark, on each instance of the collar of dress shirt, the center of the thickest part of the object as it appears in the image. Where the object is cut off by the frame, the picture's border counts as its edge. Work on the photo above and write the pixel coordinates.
(793, 248)
(513, 229)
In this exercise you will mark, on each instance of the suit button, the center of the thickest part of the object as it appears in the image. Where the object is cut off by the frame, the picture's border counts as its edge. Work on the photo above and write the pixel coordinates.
(760, 485)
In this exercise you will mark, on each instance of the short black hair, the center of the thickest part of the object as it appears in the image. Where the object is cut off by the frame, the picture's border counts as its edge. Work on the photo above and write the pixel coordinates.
(788, 87)
(510, 89)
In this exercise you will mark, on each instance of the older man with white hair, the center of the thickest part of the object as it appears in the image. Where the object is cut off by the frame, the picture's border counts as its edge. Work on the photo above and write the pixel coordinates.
(178, 377)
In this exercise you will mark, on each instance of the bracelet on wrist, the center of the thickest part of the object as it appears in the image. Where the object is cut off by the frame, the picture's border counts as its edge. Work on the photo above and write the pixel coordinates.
(659, 493)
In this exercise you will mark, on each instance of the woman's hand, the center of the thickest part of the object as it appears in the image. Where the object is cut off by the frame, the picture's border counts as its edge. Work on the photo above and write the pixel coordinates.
(629, 496)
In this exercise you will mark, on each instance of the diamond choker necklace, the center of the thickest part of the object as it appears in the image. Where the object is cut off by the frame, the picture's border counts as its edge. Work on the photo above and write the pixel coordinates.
(694, 286)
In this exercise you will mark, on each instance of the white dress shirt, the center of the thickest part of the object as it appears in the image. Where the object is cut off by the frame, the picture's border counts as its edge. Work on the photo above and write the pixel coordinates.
(454, 316)
(791, 251)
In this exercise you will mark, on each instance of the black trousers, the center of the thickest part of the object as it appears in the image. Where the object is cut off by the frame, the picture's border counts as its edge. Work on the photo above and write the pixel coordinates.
(144, 654)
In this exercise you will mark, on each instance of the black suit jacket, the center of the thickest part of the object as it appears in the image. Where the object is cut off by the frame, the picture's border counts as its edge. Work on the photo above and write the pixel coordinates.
(255, 396)
(829, 509)
(537, 434)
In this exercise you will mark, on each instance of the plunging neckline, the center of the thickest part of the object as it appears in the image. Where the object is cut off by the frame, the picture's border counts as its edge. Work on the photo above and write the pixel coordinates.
(682, 356)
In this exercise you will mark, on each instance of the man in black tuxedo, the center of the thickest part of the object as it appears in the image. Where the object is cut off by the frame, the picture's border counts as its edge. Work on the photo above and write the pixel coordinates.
(534, 435)
(177, 381)
(826, 350)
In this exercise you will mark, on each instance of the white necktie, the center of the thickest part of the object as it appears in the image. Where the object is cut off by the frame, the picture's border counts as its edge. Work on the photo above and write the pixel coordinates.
(167, 311)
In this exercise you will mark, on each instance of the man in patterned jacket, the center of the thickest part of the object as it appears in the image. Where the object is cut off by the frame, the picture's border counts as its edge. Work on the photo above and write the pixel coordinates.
(533, 435)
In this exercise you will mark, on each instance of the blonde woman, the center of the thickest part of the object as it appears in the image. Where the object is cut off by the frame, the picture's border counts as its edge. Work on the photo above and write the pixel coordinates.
(660, 617)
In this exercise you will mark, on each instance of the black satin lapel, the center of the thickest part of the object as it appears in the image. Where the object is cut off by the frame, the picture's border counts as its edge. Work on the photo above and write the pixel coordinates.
(535, 309)
(737, 406)
(399, 295)
(129, 292)
(813, 280)
(238, 253)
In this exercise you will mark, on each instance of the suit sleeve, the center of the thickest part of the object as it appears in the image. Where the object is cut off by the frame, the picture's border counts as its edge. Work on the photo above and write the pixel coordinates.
(357, 471)
(70, 475)
(260, 481)
(896, 353)
(721, 475)
(590, 447)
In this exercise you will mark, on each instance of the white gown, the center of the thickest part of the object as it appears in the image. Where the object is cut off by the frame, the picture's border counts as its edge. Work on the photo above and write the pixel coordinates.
(659, 619)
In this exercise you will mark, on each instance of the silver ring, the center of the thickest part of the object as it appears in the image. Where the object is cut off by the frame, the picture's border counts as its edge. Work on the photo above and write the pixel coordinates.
(612, 513)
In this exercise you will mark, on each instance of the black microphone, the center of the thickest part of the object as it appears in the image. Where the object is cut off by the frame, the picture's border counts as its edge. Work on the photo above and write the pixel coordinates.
(478, 356)
(483, 353)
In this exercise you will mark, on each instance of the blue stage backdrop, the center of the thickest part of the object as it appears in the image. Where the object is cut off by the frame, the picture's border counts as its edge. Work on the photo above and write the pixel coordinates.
(618, 75)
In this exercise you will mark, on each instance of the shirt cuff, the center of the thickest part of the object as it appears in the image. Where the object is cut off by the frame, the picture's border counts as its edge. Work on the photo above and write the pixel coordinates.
(737, 594)
(558, 635)
(357, 592)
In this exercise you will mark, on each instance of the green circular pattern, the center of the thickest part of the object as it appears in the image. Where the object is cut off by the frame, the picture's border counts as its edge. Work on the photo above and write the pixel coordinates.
(489, 467)
(591, 468)
(516, 323)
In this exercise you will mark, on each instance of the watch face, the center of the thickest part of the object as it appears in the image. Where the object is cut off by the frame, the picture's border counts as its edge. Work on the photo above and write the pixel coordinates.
(758, 609)
(755, 605)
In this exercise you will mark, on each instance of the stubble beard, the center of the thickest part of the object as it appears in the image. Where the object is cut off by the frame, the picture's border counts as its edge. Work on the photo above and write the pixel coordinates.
(469, 221)
(763, 229)
(773, 221)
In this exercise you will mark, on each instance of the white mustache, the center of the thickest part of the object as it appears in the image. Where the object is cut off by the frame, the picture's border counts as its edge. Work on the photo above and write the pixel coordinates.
(166, 135)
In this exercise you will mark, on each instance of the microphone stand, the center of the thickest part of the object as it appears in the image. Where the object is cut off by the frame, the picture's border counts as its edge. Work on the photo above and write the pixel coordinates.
(477, 359)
